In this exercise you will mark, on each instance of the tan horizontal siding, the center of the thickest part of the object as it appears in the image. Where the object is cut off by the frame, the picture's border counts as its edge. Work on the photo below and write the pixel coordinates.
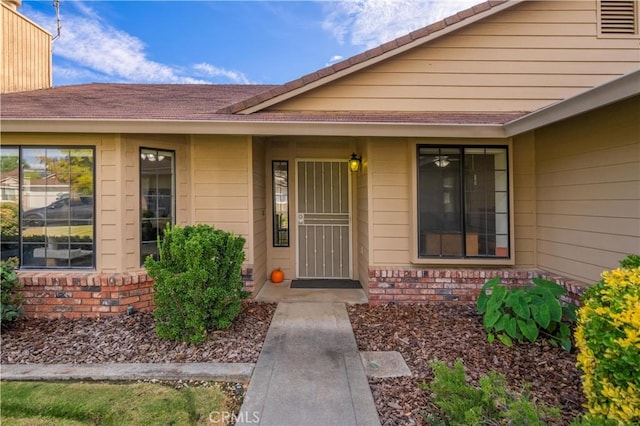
(390, 202)
(522, 59)
(221, 191)
(621, 226)
(259, 234)
(524, 195)
(588, 191)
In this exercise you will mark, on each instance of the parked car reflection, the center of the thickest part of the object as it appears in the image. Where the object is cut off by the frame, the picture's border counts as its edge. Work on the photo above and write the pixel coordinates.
(65, 211)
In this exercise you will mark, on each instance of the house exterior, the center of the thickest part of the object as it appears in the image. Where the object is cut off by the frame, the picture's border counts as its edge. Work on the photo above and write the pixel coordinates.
(503, 140)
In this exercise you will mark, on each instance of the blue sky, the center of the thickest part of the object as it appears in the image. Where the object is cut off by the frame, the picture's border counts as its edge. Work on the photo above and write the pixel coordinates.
(228, 42)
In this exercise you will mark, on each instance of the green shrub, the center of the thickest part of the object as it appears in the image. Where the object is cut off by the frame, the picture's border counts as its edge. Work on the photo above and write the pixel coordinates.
(197, 281)
(11, 296)
(608, 339)
(8, 219)
(462, 404)
(526, 312)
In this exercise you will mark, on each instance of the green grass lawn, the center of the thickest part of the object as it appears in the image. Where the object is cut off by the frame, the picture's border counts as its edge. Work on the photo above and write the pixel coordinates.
(46, 403)
(60, 231)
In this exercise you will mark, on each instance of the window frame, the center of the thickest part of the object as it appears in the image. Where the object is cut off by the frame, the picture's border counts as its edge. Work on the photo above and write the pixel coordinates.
(414, 237)
(174, 197)
(20, 149)
(274, 242)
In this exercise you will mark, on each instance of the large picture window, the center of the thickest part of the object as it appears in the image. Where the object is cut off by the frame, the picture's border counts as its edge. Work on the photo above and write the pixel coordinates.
(157, 198)
(463, 202)
(47, 206)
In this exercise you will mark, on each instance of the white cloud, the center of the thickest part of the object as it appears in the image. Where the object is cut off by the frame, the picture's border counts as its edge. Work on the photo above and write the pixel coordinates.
(93, 50)
(213, 71)
(370, 23)
(334, 59)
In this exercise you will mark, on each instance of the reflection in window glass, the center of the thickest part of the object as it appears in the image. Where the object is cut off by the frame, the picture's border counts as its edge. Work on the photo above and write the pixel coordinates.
(9, 202)
(463, 202)
(157, 198)
(280, 204)
(51, 191)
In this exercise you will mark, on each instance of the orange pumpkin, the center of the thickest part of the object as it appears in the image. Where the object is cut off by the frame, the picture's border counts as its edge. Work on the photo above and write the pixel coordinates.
(277, 276)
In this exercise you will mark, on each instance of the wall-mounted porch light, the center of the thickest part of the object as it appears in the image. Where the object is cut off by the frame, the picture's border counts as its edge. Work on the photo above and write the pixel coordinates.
(355, 162)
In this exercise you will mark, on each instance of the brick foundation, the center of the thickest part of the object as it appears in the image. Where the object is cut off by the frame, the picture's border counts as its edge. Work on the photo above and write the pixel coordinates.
(453, 285)
(57, 294)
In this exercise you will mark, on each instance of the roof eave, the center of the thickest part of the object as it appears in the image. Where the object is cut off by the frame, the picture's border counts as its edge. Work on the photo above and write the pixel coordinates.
(613, 91)
(254, 128)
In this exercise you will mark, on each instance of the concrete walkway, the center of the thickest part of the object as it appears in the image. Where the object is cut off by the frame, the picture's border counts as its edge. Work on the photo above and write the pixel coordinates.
(309, 371)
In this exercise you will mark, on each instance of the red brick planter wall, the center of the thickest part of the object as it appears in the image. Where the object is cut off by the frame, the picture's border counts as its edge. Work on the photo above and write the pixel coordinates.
(53, 294)
(409, 285)
(81, 295)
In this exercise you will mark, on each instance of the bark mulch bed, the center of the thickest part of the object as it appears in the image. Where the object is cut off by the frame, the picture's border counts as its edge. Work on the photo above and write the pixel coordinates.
(131, 338)
(421, 333)
(444, 332)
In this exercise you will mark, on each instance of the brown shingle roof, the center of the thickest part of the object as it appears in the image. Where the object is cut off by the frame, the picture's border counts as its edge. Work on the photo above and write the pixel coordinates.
(124, 101)
(363, 57)
(184, 102)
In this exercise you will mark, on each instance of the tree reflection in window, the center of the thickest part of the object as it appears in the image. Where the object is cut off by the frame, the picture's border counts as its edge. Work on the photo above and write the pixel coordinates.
(51, 191)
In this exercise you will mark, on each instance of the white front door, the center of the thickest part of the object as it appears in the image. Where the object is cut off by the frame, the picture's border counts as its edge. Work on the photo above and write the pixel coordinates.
(323, 219)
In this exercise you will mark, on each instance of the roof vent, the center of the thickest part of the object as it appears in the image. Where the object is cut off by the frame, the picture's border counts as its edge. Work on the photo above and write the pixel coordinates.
(618, 17)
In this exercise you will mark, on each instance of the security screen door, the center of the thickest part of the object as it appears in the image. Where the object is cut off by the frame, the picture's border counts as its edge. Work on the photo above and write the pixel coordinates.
(323, 219)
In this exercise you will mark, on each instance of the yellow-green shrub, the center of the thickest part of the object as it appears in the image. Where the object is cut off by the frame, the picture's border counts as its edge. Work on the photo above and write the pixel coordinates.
(608, 340)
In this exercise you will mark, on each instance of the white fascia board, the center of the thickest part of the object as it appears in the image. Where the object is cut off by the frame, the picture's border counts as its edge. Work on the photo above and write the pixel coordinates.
(254, 128)
(616, 90)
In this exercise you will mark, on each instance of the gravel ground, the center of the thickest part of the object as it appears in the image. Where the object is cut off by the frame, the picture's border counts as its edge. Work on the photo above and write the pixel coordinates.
(421, 333)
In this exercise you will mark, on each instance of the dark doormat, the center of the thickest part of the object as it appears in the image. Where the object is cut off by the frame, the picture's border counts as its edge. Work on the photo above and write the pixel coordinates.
(321, 283)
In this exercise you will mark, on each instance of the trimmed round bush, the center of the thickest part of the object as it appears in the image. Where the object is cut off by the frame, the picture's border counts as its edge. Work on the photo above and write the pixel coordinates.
(197, 281)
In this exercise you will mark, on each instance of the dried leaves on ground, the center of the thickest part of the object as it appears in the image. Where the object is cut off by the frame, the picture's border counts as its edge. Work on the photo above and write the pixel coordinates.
(132, 338)
(446, 332)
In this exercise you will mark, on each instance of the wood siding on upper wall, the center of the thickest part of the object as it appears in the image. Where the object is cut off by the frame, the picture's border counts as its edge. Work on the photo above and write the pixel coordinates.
(588, 191)
(25, 59)
(221, 186)
(521, 59)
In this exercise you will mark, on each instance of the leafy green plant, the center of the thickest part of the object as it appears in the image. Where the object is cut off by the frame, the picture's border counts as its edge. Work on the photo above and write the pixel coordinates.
(608, 340)
(197, 281)
(11, 296)
(526, 312)
(8, 219)
(459, 403)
